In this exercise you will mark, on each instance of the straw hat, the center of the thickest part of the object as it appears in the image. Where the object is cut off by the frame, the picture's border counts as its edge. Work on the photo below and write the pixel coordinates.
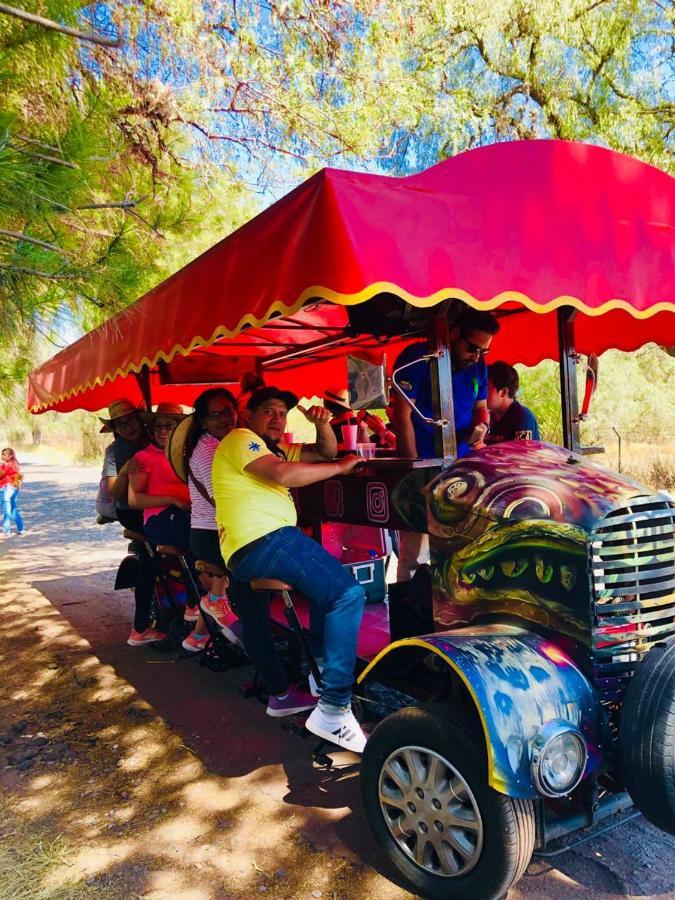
(340, 397)
(175, 447)
(118, 409)
(173, 410)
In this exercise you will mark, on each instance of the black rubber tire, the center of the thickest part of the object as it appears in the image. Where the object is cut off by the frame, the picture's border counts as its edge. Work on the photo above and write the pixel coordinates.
(508, 824)
(647, 736)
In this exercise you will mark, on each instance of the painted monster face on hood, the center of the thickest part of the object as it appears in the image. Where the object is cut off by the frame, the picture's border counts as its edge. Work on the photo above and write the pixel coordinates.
(509, 527)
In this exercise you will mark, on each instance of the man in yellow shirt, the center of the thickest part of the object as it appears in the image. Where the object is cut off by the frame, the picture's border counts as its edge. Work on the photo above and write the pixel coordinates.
(252, 473)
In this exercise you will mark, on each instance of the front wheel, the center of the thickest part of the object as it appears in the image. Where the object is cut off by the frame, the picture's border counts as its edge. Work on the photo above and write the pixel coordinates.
(428, 803)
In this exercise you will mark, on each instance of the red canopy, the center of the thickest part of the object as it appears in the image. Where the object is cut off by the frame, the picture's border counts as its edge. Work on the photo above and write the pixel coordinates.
(529, 225)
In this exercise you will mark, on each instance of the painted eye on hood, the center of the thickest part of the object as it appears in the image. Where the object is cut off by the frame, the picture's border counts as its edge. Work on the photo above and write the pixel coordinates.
(456, 489)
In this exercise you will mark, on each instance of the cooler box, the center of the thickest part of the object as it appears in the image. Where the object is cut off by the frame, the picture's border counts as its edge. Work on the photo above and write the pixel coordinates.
(362, 549)
(368, 572)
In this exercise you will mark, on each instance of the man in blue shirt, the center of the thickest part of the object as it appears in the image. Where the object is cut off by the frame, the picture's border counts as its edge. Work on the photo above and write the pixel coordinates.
(470, 339)
(509, 419)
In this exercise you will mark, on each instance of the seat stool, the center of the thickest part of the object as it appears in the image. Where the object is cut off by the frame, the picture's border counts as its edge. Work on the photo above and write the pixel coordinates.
(207, 568)
(192, 589)
(275, 584)
(170, 550)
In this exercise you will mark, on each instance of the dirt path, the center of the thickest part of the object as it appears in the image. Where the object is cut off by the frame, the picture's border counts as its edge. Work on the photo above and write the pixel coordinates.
(132, 773)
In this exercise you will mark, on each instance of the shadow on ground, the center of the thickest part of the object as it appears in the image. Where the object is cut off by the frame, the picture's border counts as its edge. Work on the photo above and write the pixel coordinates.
(164, 780)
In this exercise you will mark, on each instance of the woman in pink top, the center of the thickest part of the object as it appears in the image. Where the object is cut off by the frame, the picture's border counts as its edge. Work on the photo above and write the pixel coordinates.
(156, 489)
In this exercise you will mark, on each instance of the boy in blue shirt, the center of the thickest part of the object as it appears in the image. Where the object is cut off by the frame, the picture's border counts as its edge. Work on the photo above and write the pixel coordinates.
(470, 339)
(509, 419)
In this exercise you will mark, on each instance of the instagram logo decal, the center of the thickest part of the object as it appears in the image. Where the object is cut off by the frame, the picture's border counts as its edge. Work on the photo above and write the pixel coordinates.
(377, 502)
(333, 499)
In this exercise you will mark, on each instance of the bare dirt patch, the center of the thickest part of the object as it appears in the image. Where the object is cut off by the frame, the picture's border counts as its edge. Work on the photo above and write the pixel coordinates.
(127, 773)
(101, 796)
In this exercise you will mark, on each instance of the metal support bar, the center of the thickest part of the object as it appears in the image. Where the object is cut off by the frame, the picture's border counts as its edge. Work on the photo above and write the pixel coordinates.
(143, 379)
(440, 367)
(190, 584)
(608, 806)
(568, 378)
(296, 627)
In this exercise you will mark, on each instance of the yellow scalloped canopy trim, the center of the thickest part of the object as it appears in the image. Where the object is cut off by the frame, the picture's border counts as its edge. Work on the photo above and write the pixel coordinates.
(221, 331)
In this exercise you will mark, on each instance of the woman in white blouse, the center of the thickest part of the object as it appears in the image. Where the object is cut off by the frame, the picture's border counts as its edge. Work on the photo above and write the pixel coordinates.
(215, 415)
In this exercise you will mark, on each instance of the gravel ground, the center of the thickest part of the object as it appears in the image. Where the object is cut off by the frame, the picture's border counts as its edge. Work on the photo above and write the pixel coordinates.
(133, 773)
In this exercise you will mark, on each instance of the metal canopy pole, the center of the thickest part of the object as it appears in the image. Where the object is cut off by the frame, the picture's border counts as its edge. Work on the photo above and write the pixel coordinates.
(143, 379)
(445, 441)
(568, 378)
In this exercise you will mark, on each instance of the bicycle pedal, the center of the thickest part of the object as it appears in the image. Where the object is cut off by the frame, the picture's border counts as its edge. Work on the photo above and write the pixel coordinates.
(248, 689)
(320, 757)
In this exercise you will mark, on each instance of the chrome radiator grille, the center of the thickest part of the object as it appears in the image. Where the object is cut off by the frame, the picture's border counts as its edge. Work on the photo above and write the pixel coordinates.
(632, 563)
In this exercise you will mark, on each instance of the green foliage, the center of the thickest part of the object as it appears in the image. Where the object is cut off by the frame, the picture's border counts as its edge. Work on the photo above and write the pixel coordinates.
(463, 72)
(633, 395)
(118, 165)
(95, 183)
(634, 403)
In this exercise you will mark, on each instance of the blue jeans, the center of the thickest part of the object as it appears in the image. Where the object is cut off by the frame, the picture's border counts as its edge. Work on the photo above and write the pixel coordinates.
(291, 556)
(10, 509)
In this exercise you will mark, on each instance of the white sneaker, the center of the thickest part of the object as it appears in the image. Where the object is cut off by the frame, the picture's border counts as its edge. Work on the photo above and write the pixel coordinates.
(338, 727)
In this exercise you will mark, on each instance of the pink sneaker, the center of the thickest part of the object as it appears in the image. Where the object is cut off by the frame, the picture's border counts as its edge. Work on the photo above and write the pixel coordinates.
(218, 608)
(195, 643)
(190, 613)
(221, 612)
(149, 636)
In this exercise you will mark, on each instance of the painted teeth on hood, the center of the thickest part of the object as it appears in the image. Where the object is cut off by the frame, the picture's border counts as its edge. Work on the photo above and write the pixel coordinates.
(543, 569)
(568, 576)
(512, 568)
(486, 572)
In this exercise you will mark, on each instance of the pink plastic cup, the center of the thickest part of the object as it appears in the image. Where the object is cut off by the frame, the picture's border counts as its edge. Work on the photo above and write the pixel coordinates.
(289, 437)
(349, 435)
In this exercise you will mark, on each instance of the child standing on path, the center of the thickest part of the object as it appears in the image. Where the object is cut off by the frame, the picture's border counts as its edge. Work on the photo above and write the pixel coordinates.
(10, 480)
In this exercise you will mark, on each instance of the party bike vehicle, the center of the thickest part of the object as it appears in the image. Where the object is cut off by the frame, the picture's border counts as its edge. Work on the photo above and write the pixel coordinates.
(523, 687)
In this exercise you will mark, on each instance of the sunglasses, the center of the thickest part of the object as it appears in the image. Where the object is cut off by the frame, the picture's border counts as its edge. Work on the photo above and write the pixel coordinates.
(474, 348)
(164, 426)
(127, 422)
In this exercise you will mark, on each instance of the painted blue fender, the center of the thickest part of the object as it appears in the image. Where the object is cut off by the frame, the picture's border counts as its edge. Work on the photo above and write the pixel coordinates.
(518, 681)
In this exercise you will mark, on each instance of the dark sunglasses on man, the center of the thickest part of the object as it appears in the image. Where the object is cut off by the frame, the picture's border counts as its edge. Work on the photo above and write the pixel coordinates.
(474, 348)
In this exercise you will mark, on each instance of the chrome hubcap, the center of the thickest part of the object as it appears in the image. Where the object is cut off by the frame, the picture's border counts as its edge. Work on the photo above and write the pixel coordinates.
(431, 811)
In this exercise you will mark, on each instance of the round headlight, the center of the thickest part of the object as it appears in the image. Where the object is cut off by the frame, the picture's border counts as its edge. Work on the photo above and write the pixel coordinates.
(559, 758)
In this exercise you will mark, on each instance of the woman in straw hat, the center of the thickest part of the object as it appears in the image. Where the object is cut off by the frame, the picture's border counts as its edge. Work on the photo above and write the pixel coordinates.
(125, 423)
(191, 449)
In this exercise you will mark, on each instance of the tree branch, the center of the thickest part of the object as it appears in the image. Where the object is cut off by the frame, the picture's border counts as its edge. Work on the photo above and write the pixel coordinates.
(27, 140)
(245, 142)
(19, 236)
(114, 204)
(24, 270)
(55, 26)
(52, 159)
